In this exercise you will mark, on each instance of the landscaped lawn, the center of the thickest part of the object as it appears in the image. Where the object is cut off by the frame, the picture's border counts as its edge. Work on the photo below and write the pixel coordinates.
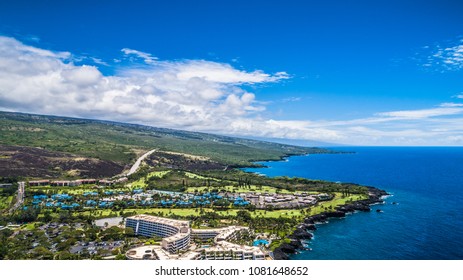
(253, 188)
(196, 176)
(152, 211)
(158, 174)
(5, 201)
(192, 212)
(336, 201)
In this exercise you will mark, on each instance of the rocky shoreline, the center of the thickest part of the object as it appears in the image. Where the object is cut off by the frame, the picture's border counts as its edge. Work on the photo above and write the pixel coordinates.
(309, 224)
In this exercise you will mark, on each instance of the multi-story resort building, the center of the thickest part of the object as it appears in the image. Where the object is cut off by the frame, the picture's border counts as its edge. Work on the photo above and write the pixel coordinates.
(229, 251)
(176, 242)
(176, 233)
(218, 234)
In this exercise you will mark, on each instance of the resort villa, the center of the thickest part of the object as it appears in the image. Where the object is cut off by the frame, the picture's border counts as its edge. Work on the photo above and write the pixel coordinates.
(177, 236)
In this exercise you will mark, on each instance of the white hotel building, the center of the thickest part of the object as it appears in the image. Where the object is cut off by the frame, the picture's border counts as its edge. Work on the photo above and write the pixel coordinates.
(177, 235)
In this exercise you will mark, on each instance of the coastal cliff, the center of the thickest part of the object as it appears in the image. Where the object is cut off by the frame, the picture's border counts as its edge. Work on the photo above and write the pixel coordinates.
(309, 224)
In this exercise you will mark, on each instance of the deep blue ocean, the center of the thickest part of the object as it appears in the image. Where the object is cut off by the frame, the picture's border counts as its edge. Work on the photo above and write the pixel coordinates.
(427, 184)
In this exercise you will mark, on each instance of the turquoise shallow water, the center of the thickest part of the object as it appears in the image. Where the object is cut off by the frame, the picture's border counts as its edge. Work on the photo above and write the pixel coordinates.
(427, 184)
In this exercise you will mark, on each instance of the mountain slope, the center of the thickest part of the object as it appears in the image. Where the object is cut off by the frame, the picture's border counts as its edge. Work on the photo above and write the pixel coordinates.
(121, 142)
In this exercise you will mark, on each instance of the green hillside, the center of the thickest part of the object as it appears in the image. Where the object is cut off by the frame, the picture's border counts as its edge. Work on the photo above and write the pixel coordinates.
(121, 142)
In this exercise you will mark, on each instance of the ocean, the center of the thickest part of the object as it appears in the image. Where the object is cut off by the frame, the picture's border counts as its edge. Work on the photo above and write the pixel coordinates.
(425, 223)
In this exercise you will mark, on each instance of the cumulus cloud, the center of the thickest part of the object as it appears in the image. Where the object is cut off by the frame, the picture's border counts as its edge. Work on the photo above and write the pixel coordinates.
(197, 95)
(188, 94)
(81, 76)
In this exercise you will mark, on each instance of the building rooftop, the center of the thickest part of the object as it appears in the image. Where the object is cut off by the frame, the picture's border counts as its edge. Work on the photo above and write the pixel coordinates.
(172, 222)
(162, 254)
(143, 252)
(222, 246)
(176, 237)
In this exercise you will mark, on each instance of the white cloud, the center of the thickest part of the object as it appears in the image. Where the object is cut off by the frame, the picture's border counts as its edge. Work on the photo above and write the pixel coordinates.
(99, 61)
(447, 109)
(446, 58)
(195, 95)
(147, 58)
(189, 94)
(451, 104)
(82, 76)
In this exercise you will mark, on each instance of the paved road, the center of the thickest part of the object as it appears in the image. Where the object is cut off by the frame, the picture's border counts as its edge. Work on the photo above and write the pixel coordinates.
(138, 162)
(20, 196)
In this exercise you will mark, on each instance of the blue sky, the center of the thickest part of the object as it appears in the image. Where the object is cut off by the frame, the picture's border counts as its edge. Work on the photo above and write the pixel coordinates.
(350, 72)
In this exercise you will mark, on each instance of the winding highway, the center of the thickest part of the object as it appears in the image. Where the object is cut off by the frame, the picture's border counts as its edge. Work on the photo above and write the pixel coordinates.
(20, 196)
(138, 162)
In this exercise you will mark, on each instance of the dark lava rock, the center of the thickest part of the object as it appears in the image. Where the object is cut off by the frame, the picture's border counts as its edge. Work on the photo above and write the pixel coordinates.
(301, 234)
(37, 162)
(319, 218)
(308, 226)
(336, 214)
(346, 208)
(374, 197)
(278, 254)
(361, 207)
(296, 244)
(288, 248)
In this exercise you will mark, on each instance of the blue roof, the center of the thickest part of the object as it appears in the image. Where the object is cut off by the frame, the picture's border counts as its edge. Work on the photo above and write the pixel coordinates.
(90, 193)
(241, 203)
(203, 202)
(168, 202)
(184, 203)
(61, 196)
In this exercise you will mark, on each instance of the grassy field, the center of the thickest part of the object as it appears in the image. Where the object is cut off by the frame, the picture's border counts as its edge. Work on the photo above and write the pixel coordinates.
(29, 226)
(5, 201)
(141, 183)
(196, 212)
(196, 176)
(336, 201)
(159, 174)
(152, 211)
(260, 189)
